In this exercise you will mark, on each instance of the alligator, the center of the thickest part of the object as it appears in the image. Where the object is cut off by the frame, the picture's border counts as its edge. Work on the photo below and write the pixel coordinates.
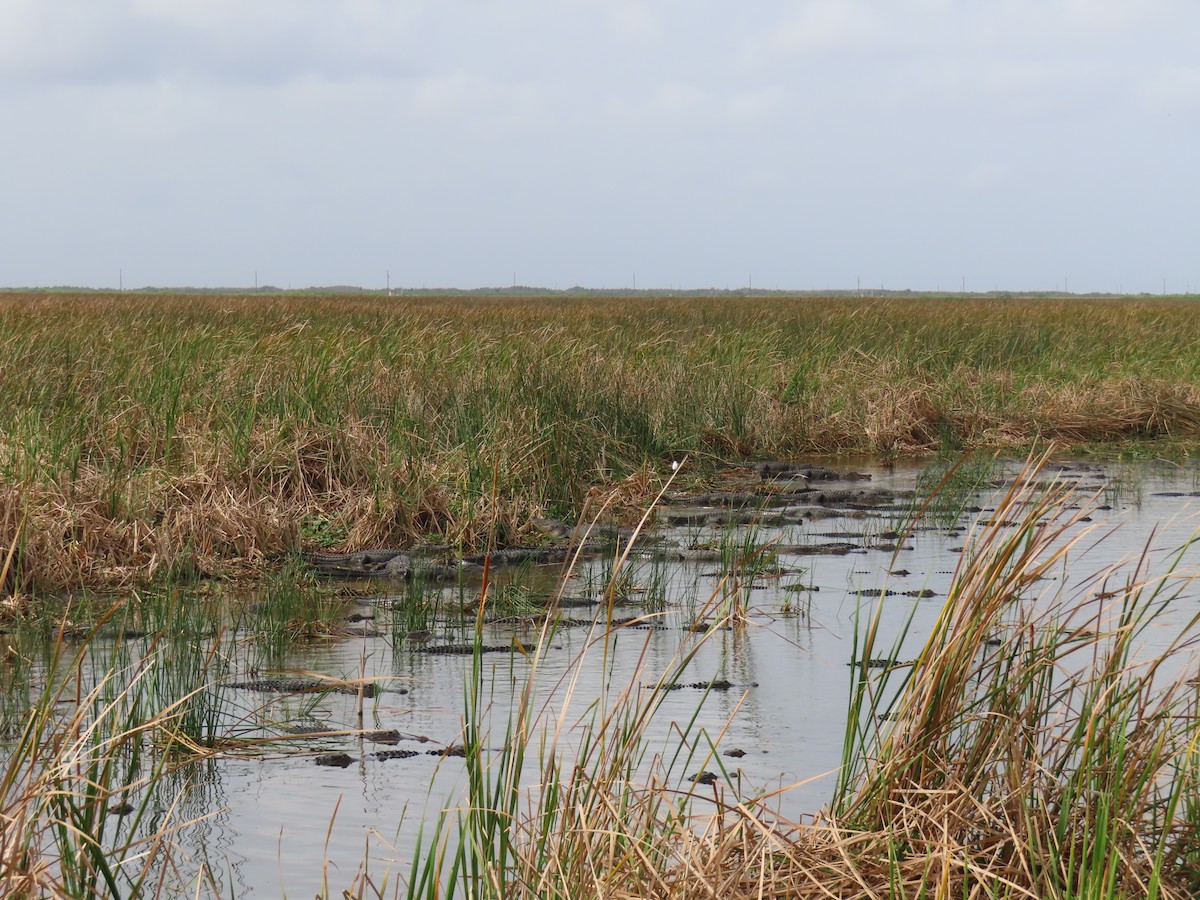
(848, 498)
(342, 760)
(469, 649)
(728, 508)
(514, 556)
(384, 562)
(398, 565)
(305, 685)
(774, 469)
(401, 566)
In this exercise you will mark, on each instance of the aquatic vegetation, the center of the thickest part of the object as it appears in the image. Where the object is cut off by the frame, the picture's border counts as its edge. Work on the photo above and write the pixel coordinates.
(636, 580)
(1032, 748)
(82, 810)
(289, 604)
(745, 556)
(946, 487)
(417, 608)
(101, 743)
(508, 840)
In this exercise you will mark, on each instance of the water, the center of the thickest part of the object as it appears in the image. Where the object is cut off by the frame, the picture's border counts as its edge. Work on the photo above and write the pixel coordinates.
(278, 823)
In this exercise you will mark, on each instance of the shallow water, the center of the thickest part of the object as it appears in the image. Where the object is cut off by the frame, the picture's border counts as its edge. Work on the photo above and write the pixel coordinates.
(283, 824)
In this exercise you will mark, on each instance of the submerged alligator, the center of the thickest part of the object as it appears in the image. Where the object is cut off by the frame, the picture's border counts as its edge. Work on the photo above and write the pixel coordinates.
(405, 565)
(381, 563)
(400, 565)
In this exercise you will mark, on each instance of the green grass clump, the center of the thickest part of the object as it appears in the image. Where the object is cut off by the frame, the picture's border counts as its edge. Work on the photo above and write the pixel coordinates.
(88, 804)
(1035, 748)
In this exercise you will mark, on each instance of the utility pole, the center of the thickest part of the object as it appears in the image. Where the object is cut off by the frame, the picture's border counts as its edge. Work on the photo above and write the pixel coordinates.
(121, 280)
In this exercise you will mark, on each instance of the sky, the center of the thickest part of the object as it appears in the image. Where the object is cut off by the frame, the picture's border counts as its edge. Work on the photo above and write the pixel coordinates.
(810, 144)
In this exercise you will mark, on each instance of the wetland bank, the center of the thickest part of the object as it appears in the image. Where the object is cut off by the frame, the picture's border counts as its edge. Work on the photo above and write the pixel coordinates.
(170, 464)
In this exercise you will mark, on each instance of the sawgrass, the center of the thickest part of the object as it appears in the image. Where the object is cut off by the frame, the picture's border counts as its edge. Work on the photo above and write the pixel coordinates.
(164, 437)
(1035, 748)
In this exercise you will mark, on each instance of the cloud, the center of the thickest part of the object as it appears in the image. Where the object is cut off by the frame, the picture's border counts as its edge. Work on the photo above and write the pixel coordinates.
(479, 104)
(1173, 90)
(686, 117)
(634, 21)
(986, 176)
(98, 42)
(286, 134)
(915, 28)
(831, 25)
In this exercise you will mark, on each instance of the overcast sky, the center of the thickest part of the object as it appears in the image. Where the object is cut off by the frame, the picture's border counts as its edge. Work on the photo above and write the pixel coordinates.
(1013, 144)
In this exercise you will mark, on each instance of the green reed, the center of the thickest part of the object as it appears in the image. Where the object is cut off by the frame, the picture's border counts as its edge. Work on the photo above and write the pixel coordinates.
(79, 786)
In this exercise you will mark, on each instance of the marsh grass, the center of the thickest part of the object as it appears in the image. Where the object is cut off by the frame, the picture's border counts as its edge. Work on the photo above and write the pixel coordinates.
(168, 437)
(745, 558)
(1035, 748)
(556, 811)
(289, 604)
(418, 607)
(640, 581)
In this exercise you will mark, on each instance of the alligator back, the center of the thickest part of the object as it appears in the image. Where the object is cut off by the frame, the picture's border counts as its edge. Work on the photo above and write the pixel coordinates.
(362, 562)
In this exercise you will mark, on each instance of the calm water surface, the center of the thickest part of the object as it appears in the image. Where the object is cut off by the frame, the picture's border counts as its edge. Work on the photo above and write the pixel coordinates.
(281, 824)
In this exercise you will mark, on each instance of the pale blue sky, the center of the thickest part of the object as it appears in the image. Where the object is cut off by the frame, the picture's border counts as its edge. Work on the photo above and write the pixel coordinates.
(806, 144)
